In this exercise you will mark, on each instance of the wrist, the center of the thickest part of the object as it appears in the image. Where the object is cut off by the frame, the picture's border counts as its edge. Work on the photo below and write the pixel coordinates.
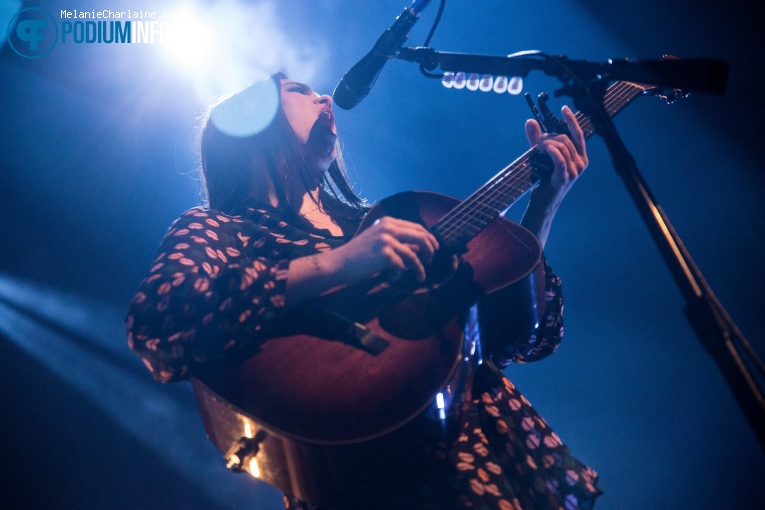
(333, 263)
(539, 215)
(542, 206)
(546, 196)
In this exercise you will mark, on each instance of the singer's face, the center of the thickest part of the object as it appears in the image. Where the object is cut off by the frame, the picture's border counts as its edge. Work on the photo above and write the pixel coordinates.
(313, 121)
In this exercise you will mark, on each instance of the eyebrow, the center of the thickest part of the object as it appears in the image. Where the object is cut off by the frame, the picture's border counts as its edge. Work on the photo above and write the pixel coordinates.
(305, 86)
(291, 83)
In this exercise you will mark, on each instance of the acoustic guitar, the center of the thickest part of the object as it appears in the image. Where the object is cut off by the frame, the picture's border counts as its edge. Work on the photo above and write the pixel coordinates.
(366, 364)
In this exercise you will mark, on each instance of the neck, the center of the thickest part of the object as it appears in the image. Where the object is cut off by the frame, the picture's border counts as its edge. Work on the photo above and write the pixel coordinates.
(313, 213)
(309, 202)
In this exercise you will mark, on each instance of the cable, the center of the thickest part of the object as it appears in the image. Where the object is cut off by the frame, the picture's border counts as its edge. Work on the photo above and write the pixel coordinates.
(429, 37)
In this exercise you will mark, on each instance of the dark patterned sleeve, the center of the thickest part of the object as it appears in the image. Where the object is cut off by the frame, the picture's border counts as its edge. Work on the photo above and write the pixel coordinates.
(543, 341)
(207, 295)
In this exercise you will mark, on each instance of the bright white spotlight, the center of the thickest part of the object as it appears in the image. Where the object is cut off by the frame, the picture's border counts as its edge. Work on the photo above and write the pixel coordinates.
(227, 44)
(190, 42)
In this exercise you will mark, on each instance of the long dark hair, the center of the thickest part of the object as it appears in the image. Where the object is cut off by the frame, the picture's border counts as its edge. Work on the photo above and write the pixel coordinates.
(232, 165)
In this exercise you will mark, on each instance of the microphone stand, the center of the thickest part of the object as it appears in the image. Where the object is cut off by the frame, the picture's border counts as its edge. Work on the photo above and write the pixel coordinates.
(586, 82)
(713, 326)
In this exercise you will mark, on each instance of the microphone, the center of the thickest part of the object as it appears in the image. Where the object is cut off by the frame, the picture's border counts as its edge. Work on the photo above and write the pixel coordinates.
(356, 83)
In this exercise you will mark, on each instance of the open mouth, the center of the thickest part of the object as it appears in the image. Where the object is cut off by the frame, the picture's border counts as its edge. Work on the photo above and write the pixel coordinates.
(327, 118)
(323, 134)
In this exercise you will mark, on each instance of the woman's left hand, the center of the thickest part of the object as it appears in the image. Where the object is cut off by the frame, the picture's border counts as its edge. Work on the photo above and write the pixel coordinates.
(569, 157)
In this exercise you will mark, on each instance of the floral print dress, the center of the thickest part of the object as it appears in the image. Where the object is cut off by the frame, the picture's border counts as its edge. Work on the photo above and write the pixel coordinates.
(217, 282)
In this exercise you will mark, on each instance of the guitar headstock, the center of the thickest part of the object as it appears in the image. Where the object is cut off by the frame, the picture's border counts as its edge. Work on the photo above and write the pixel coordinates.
(670, 95)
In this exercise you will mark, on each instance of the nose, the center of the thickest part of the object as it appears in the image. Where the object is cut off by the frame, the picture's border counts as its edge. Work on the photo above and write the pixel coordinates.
(326, 99)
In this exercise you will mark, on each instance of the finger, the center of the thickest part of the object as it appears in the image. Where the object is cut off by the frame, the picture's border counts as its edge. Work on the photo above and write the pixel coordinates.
(394, 261)
(577, 135)
(426, 246)
(401, 256)
(424, 255)
(556, 153)
(565, 171)
(410, 260)
(422, 237)
(533, 132)
(413, 233)
(573, 159)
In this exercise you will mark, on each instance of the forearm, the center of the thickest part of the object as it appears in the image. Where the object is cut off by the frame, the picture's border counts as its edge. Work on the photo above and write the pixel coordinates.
(540, 213)
(207, 296)
(186, 317)
(311, 276)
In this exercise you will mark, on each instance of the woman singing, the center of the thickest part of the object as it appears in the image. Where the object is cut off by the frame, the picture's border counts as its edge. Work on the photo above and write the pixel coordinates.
(277, 231)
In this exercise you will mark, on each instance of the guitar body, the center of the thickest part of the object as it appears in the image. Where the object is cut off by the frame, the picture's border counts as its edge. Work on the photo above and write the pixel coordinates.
(319, 399)
(316, 387)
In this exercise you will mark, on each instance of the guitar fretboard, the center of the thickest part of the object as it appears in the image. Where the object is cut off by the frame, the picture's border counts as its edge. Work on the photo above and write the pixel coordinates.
(473, 214)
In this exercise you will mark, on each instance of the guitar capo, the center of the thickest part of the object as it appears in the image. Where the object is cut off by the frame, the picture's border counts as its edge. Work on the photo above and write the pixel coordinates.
(548, 122)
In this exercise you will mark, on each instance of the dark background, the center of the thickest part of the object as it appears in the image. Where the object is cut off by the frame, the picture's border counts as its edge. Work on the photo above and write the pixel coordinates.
(97, 160)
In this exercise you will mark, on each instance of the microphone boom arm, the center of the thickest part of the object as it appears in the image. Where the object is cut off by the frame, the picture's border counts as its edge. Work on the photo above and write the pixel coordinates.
(690, 75)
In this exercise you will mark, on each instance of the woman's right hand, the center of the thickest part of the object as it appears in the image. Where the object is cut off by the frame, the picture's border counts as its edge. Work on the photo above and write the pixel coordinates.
(391, 245)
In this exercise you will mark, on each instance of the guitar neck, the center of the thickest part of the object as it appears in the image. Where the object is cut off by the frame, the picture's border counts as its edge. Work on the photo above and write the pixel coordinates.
(473, 214)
